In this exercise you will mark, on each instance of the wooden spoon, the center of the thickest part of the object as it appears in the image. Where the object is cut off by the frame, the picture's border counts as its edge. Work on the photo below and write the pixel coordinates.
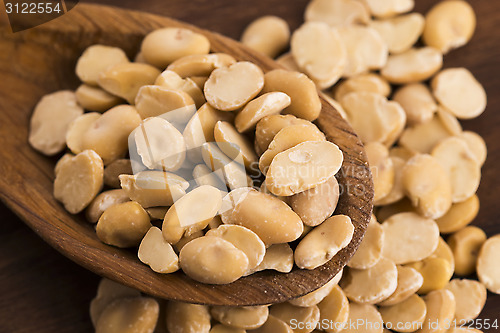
(42, 60)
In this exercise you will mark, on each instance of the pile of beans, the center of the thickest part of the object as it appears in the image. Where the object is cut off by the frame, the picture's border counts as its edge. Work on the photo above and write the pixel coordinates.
(408, 273)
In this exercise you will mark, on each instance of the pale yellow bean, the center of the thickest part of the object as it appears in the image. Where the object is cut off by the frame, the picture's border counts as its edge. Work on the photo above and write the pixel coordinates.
(487, 269)
(97, 59)
(465, 245)
(409, 281)
(185, 318)
(103, 201)
(95, 99)
(470, 297)
(268, 34)
(245, 317)
(156, 252)
(337, 13)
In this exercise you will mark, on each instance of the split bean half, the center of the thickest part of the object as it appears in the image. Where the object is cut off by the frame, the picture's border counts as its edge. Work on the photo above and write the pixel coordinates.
(407, 316)
(409, 281)
(413, 65)
(185, 317)
(246, 317)
(470, 297)
(337, 13)
(97, 59)
(95, 99)
(103, 201)
(465, 245)
(156, 252)
(401, 32)
(268, 34)
(487, 269)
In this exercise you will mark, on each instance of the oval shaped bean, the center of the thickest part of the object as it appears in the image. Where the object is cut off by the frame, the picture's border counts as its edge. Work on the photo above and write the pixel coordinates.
(124, 80)
(459, 215)
(487, 270)
(302, 167)
(401, 32)
(187, 318)
(308, 316)
(476, 145)
(182, 218)
(213, 260)
(310, 43)
(409, 281)
(305, 102)
(334, 309)
(417, 102)
(200, 64)
(406, 316)
(427, 184)
(267, 34)
(323, 242)
(366, 316)
(233, 143)
(97, 59)
(388, 8)
(316, 204)
(278, 257)
(163, 46)
(123, 225)
(270, 218)
(156, 252)
(76, 130)
(409, 237)
(449, 25)
(397, 192)
(383, 277)
(171, 80)
(337, 13)
(108, 135)
(470, 297)
(103, 201)
(412, 66)
(267, 104)
(436, 272)
(129, 315)
(95, 99)
(364, 82)
(440, 311)
(465, 245)
(229, 88)
(50, 121)
(78, 179)
(246, 317)
(369, 251)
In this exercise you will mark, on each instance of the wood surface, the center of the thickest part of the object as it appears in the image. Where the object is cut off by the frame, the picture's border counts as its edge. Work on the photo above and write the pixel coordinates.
(43, 291)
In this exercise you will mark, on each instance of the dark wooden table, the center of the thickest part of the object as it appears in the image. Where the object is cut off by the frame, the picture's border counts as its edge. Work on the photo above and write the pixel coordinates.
(42, 291)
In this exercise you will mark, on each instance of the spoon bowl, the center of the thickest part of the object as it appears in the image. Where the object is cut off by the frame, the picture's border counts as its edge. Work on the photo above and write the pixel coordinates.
(42, 60)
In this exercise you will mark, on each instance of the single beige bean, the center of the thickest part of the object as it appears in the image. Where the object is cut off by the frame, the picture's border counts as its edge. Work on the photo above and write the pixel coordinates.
(213, 260)
(182, 218)
(440, 306)
(397, 192)
(245, 240)
(173, 105)
(95, 99)
(108, 135)
(187, 318)
(305, 102)
(200, 64)
(288, 138)
(129, 315)
(409, 237)
(229, 88)
(269, 126)
(186, 239)
(204, 176)
(246, 317)
(200, 129)
(409, 281)
(163, 46)
(427, 184)
(124, 80)
(401, 32)
(234, 143)
(270, 218)
(470, 297)
(123, 225)
(369, 251)
(114, 169)
(383, 277)
(154, 188)
(388, 8)
(157, 213)
(268, 34)
(444, 251)
(459, 215)
(273, 325)
(366, 50)
(103, 201)
(334, 309)
(407, 316)
(219, 328)
(417, 102)
(97, 59)
(316, 204)
(465, 245)
(77, 128)
(171, 80)
(413, 65)
(402, 206)
(449, 25)
(156, 252)
(308, 317)
(337, 13)
(302, 167)
(476, 145)
(107, 292)
(229, 170)
(315, 297)
(50, 121)
(267, 104)
(78, 179)
(459, 92)
(310, 43)
(278, 257)
(364, 82)
(366, 317)
(436, 272)
(323, 242)
(396, 118)
(382, 169)
(487, 270)
(461, 165)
